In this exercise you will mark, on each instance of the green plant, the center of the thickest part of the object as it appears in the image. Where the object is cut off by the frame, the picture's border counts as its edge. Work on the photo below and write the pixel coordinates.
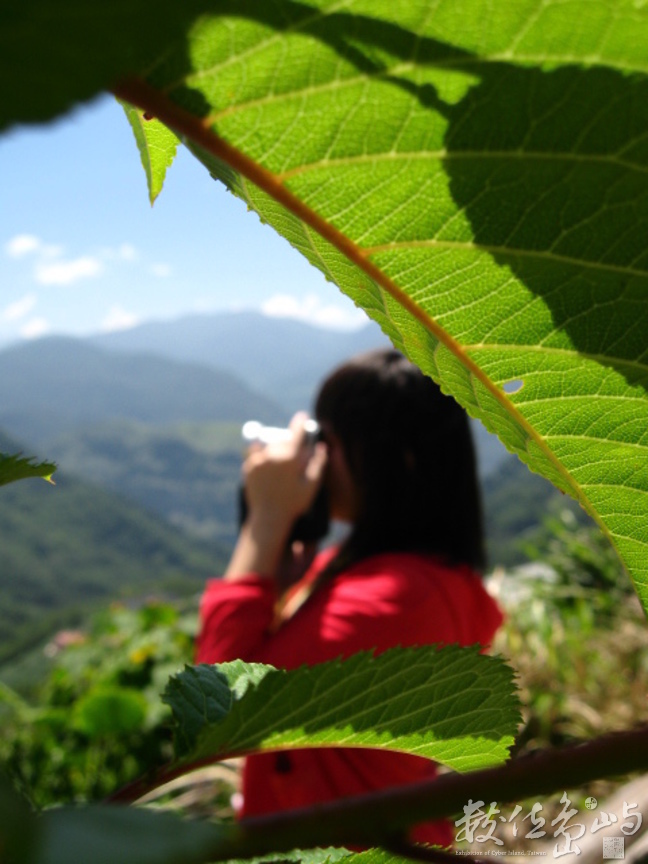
(576, 634)
(17, 467)
(97, 722)
(474, 177)
(589, 586)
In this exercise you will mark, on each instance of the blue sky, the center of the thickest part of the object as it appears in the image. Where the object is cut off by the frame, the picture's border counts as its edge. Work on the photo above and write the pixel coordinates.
(82, 251)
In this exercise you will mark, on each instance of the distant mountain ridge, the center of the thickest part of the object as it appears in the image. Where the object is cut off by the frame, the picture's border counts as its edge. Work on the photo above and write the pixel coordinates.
(55, 384)
(283, 358)
(279, 357)
(227, 367)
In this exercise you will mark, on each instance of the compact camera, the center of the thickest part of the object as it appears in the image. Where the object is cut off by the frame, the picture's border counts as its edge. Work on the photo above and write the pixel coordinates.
(312, 525)
(254, 432)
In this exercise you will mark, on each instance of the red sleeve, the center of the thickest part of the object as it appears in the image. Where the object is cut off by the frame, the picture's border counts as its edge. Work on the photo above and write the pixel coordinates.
(349, 614)
(359, 611)
(235, 617)
(379, 603)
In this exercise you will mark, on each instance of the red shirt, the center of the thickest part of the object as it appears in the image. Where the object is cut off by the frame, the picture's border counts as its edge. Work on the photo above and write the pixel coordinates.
(383, 601)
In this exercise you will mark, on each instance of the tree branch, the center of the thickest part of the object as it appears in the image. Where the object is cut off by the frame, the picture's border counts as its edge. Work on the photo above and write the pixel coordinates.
(374, 819)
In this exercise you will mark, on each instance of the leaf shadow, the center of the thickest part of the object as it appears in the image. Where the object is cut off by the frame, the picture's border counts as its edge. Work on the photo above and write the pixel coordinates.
(548, 167)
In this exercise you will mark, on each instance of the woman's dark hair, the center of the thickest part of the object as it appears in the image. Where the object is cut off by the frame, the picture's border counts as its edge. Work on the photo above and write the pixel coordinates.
(410, 451)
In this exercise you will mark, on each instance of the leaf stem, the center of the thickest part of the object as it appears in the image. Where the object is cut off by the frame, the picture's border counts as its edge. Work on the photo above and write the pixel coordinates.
(373, 818)
(376, 818)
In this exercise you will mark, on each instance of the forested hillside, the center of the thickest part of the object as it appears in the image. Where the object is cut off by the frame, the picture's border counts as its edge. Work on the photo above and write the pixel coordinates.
(186, 473)
(65, 548)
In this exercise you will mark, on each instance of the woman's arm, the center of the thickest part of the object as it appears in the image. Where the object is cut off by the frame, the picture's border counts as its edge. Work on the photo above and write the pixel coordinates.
(281, 481)
(235, 619)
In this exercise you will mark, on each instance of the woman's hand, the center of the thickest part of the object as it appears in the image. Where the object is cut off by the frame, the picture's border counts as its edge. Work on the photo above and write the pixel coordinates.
(281, 479)
(281, 482)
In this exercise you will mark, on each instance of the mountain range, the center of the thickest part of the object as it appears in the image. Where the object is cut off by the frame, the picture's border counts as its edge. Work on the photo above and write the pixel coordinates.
(225, 367)
(53, 385)
(283, 359)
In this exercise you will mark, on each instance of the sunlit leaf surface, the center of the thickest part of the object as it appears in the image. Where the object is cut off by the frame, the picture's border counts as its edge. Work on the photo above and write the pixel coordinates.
(459, 707)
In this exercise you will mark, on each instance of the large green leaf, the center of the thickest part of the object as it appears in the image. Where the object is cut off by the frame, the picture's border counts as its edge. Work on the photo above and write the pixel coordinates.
(475, 178)
(459, 707)
(473, 175)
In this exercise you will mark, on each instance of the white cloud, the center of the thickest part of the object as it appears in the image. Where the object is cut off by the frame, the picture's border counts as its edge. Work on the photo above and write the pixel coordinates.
(22, 244)
(118, 319)
(312, 310)
(66, 272)
(161, 270)
(51, 250)
(127, 252)
(51, 264)
(34, 328)
(17, 310)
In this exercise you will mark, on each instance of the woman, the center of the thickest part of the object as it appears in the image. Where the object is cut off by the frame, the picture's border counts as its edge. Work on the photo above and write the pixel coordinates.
(399, 466)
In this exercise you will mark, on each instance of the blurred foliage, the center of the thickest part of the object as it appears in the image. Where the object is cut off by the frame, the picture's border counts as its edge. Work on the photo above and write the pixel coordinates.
(516, 503)
(575, 633)
(98, 722)
(589, 581)
(577, 636)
